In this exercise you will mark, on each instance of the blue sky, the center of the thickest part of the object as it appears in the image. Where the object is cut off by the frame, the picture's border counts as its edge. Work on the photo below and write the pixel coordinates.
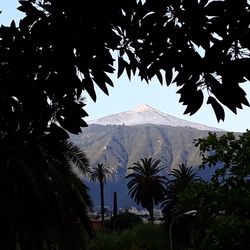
(9, 11)
(127, 94)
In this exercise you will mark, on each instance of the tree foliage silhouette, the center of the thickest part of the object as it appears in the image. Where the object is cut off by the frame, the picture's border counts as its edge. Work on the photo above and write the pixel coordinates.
(62, 48)
(44, 203)
(66, 47)
(173, 206)
(178, 181)
(223, 220)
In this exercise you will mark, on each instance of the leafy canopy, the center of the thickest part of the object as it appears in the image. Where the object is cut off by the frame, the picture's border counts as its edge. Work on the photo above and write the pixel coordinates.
(222, 203)
(63, 48)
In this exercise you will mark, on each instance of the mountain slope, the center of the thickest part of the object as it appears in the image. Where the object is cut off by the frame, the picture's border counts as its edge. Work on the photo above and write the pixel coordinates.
(120, 146)
(121, 139)
(144, 114)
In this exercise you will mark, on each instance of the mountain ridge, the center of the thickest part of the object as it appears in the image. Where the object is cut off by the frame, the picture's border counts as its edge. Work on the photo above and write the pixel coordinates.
(145, 114)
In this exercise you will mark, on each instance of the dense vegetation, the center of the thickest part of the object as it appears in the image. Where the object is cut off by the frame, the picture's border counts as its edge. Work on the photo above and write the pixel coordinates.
(127, 144)
(223, 218)
(142, 236)
(220, 205)
(178, 181)
(123, 221)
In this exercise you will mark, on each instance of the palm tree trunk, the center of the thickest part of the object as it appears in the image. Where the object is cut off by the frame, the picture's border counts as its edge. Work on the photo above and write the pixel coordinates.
(151, 213)
(102, 200)
(115, 204)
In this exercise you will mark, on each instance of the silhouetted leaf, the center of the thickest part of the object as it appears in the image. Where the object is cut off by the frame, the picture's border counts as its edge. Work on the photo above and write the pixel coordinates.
(100, 79)
(26, 6)
(168, 76)
(159, 76)
(128, 70)
(215, 8)
(89, 86)
(194, 103)
(121, 66)
(57, 131)
(107, 80)
(181, 78)
(219, 111)
(204, 2)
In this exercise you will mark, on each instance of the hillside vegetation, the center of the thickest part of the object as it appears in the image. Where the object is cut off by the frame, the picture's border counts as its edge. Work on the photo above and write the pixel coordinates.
(120, 146)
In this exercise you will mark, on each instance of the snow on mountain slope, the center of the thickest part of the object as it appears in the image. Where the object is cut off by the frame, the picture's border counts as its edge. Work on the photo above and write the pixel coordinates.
(144, 114)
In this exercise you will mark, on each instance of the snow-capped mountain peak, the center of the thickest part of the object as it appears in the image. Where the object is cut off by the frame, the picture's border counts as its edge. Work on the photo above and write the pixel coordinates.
(143, 108)
(144, 114)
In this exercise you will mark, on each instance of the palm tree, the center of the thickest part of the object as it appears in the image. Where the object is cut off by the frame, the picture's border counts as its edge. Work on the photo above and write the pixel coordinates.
(146, 186)
(45, 203)
(100, 173)
(179, 180)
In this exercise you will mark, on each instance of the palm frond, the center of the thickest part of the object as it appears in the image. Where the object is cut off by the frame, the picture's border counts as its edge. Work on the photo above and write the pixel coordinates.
(100, 172)
(75, 155)
(145, 185)
(46, 203)
(179, 180)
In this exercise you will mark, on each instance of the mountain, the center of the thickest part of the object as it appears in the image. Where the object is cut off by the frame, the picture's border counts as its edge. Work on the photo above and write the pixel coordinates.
(144, 114)
(121, 144)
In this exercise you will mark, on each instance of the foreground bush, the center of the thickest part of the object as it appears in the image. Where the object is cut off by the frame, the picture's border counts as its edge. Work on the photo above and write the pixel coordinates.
(123, 221)
(142, 236)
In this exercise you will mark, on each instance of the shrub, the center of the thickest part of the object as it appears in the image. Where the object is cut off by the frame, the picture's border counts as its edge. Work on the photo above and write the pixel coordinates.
(123, 221)
(140, 236)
